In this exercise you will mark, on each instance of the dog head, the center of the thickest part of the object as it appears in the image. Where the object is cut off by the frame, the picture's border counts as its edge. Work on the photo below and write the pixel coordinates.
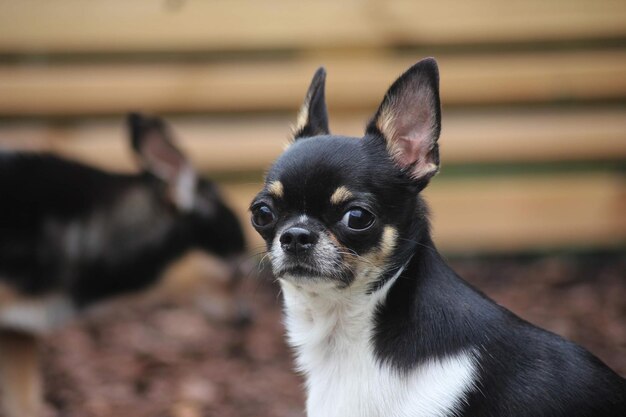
(339, 210)
(194, 199)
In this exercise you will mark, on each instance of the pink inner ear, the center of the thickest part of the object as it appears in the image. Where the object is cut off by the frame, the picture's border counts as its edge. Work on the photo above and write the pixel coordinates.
(164, 159)
(412, 137)
(410, 151)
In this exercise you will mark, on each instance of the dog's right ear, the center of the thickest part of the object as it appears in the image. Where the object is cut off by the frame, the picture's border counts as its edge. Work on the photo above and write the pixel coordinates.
(409, 120)
(151, 141)
(313, 116)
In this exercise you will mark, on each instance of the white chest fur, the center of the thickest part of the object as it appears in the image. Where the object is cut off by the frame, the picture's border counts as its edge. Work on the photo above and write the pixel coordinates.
(331, 332)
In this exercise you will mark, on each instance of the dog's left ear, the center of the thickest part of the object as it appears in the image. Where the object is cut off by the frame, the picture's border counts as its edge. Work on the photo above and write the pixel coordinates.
(409, 120)
(313, 116)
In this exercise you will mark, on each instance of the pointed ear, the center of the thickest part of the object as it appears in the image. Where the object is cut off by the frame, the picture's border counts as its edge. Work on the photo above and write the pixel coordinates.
(151, 141)
(409, 120)
(313, 116)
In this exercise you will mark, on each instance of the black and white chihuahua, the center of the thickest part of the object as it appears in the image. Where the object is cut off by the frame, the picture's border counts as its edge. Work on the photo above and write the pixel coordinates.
(72, 235)
(381, 326)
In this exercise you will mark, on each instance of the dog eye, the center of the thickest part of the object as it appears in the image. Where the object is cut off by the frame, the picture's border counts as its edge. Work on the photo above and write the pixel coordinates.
(358, 219)
(262, 215)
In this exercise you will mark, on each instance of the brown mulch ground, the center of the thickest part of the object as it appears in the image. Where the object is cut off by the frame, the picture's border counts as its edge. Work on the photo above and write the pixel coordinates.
(173, 361)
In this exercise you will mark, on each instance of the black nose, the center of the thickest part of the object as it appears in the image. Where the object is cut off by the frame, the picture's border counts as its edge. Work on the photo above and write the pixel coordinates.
(297, 240)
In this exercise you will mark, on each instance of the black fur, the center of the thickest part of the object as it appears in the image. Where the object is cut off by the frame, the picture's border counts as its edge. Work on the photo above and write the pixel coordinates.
(429, 311)
(70, 228)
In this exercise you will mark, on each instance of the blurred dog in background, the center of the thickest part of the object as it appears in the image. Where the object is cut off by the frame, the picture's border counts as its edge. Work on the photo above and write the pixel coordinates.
(72, 235)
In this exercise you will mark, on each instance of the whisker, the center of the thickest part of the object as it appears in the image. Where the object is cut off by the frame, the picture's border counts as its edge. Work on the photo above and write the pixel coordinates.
(417, 243)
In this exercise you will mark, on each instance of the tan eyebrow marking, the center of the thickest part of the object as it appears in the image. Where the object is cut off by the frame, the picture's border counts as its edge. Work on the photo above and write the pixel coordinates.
(275, 188)
(340, 195)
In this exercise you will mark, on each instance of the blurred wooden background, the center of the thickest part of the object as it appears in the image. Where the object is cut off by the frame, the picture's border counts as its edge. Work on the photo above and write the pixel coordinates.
(534, 96)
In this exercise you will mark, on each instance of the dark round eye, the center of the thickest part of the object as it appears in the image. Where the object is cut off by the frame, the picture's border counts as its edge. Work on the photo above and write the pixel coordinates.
(358, 219)
(262, 215)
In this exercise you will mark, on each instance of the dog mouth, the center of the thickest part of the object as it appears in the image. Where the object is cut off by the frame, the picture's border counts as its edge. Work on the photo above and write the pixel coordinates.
(298, 270)
(305, 272)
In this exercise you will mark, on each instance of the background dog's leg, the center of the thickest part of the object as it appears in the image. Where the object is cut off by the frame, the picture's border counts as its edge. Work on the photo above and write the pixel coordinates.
(20, 378)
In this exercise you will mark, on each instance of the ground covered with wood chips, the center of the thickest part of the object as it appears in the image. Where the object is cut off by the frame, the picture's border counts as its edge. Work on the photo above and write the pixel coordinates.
(170, 359)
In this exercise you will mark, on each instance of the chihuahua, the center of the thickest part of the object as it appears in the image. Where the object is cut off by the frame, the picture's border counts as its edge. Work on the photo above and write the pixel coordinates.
(381, 325)
(72, 236)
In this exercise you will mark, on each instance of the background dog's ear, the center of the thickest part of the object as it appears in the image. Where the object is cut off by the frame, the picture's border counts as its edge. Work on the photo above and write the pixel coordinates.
(313, 116)
(409, 119)
(150, 139)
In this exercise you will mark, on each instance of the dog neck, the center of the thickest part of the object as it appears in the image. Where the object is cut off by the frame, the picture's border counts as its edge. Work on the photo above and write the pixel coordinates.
(323, 321)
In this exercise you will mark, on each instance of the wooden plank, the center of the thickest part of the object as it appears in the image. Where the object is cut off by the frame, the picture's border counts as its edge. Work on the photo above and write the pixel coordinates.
(121, 26)
(507, 214)
(251, 144)
(354, 82)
